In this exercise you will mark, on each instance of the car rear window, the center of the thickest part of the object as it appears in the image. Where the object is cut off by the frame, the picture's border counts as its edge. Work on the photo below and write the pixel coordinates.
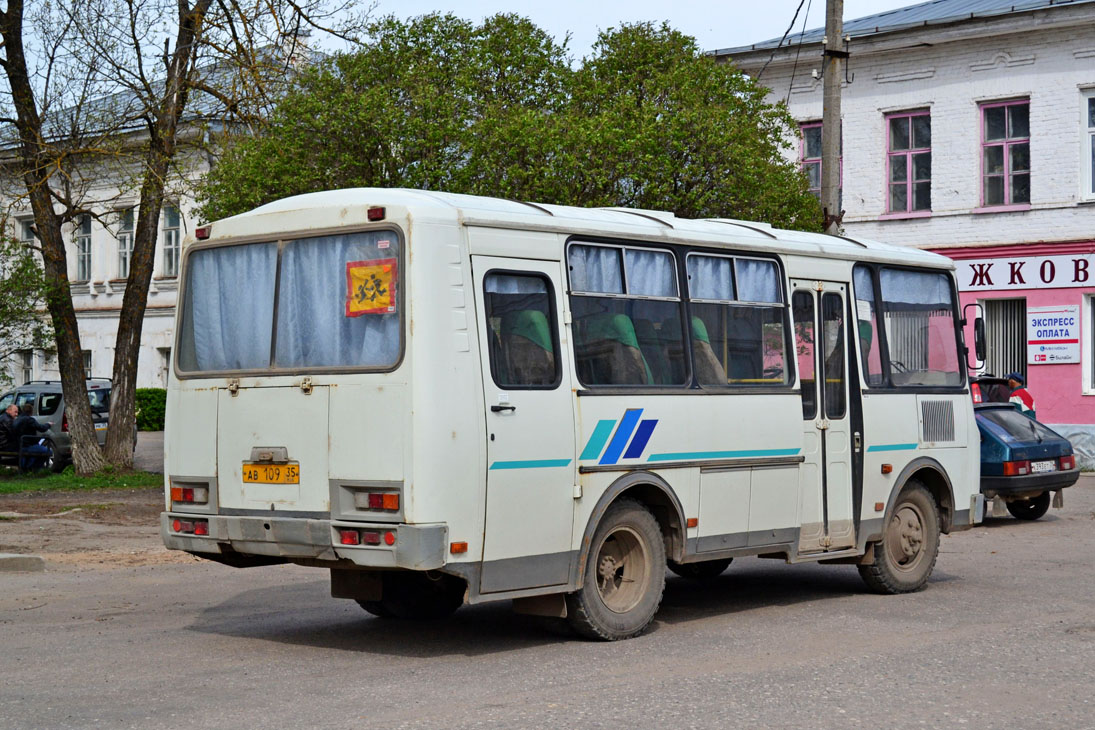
(1018, 426)
(99, 399)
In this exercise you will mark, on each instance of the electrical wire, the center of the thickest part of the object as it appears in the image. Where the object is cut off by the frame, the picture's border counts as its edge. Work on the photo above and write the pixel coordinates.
(798, 51)
(781, 40)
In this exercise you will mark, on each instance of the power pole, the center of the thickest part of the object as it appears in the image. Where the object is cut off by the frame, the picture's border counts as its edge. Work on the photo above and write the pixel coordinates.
(833, 68)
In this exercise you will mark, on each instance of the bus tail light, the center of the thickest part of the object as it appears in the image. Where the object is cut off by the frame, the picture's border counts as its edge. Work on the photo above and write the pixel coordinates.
(384, 501)
(190, 495)
(190, 527)
(1068, 462)
(1016, 468)
(349, 537)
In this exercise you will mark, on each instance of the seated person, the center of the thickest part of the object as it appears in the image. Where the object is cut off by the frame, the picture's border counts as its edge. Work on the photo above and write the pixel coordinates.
(32, 455)
(8, 442)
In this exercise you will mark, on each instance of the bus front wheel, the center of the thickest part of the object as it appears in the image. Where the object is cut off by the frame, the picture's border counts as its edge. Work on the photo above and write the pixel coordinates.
(905, 557)
(624, 575)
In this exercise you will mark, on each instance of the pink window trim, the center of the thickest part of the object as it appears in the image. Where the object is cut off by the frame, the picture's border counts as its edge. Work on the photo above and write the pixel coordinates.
(803, 159)
(1001, 208)
(898, 216)
(1006, 143)
(907, 154)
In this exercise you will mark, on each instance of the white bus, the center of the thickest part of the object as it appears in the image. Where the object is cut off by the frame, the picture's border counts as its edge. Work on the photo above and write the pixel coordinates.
(446, 399)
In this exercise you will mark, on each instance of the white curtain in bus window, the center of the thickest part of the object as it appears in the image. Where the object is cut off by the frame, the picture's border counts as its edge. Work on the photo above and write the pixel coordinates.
(627, 316)
(337, 302)
(867, 324)
(920, 330)
(520, 324)
(735, 342)
(228, 311)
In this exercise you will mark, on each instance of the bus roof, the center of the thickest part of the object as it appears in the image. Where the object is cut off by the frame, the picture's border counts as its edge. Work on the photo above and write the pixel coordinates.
(349, 207)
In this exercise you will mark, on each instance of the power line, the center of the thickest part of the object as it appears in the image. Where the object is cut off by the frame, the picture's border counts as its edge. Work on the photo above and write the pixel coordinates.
(781, 40)
(798, 51)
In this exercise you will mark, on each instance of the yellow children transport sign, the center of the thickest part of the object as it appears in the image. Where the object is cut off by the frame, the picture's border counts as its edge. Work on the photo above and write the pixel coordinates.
(370, 287)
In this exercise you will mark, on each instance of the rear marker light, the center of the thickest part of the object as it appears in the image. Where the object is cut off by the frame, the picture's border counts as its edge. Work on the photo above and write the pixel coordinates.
(349, 537)
(202, 232)
(376, 214)
(389, 538)
(456, 548)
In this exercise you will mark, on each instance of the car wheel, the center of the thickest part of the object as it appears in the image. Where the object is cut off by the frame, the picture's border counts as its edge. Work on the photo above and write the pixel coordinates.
(624, 575)
(905, 557)
(53, 461)
(417, 596)
(701, 571)
(1029, 509)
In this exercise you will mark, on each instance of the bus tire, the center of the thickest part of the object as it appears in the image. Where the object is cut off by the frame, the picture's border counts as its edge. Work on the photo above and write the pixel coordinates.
(624, 576)
(701, 571)
(417, 596)
(1029, 509)
(906, 554)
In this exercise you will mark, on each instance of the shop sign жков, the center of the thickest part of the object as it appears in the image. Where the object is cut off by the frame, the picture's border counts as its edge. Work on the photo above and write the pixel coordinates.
(1026, 272)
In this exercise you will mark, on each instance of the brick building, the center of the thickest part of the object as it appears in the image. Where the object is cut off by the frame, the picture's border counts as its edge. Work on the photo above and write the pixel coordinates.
(969, 129)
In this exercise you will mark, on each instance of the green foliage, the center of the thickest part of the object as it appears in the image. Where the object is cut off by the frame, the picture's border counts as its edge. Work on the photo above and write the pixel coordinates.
(646, 121)
(12, 481)
(23, 321)
(150, 405)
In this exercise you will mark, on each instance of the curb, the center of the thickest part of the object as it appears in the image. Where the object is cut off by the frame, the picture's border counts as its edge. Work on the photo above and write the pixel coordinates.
(10, 563)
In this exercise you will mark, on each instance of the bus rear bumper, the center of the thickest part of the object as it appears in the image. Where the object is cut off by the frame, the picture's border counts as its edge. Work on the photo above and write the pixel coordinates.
(414, 547)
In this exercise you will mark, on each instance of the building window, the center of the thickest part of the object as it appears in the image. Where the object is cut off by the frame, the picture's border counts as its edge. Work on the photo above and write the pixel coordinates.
(26, 366)
(811, 158)
(1088, 161)
(1005, 153)
(171, 227)
(87, 363)
(1006, 336)
(125, 241)
(909, 162)
(83, 248)
(26, 232)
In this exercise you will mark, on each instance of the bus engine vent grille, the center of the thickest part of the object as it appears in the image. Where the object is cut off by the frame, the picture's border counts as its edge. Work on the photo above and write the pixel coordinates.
(937, 419)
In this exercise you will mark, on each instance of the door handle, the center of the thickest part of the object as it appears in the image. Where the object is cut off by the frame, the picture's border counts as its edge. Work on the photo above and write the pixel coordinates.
(499, 409)
(858, 442)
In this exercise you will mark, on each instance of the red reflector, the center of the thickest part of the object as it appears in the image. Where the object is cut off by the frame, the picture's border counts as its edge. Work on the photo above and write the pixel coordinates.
(201, 528)
(349, 537)
(391, 501)
(376, 214)
(975, 389)
(176, 525)
(1068, 462)
(370, 538)
(389, 538)
(202, 232)
(376, 500)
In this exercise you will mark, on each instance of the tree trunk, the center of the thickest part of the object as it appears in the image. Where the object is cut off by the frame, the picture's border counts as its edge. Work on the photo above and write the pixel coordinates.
(32, 161)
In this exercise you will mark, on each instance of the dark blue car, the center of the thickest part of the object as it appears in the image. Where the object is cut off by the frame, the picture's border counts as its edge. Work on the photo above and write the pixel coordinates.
(1022, 461)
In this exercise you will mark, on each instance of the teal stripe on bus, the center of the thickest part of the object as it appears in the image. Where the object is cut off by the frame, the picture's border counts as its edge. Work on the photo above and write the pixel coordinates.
(529, 464)
(892, 447)
(597, 440)
(694, 455)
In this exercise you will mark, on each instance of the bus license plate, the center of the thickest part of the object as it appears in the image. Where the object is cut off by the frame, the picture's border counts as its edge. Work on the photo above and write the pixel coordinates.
(271, 473)
(1037, 467)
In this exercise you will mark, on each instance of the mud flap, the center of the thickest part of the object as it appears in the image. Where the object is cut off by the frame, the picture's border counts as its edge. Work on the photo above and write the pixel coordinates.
(1058, 499)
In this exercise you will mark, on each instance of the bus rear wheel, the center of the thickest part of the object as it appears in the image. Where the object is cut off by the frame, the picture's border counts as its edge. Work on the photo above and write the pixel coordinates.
(417, 596)
(905, 557)
(624, 575)
(1029, 509)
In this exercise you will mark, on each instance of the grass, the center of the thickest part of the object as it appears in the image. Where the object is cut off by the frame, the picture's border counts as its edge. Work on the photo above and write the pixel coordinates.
(12, 482)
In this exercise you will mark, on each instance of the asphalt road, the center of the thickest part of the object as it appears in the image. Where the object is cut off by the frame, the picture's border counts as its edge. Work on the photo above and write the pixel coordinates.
(1003, 636)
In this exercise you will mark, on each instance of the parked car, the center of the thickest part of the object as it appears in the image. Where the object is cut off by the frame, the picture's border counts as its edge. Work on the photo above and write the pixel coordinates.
(49, 408)
(1022, 461)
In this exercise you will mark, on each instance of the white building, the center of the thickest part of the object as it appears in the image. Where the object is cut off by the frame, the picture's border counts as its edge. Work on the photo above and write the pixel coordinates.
(969, 128)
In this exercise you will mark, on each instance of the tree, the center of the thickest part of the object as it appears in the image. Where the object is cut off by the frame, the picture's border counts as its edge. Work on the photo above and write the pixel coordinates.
(646, 121)
(23, 325)
(124, 86)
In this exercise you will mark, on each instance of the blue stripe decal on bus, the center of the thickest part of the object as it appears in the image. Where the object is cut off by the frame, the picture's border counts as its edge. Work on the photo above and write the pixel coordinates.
(622, 436)
(690, 455)
(638, 444)
(892, 447)
(529, 464)
(597, 440)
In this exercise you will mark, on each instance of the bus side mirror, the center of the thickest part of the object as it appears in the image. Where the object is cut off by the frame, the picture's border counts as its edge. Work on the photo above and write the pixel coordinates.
(979, 339)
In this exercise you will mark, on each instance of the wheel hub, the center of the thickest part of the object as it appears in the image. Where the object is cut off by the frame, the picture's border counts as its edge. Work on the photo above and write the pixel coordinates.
(905, 537)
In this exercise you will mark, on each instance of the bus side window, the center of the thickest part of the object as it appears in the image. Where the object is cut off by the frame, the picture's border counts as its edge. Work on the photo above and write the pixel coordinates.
(521, 325)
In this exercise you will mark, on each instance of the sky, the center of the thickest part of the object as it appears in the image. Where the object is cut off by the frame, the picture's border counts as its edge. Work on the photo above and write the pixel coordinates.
(715, 24)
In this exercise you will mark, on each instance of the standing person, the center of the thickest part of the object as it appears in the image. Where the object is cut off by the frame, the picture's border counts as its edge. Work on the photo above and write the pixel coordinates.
(8, 442)
(31, 456)
(1020, 396)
